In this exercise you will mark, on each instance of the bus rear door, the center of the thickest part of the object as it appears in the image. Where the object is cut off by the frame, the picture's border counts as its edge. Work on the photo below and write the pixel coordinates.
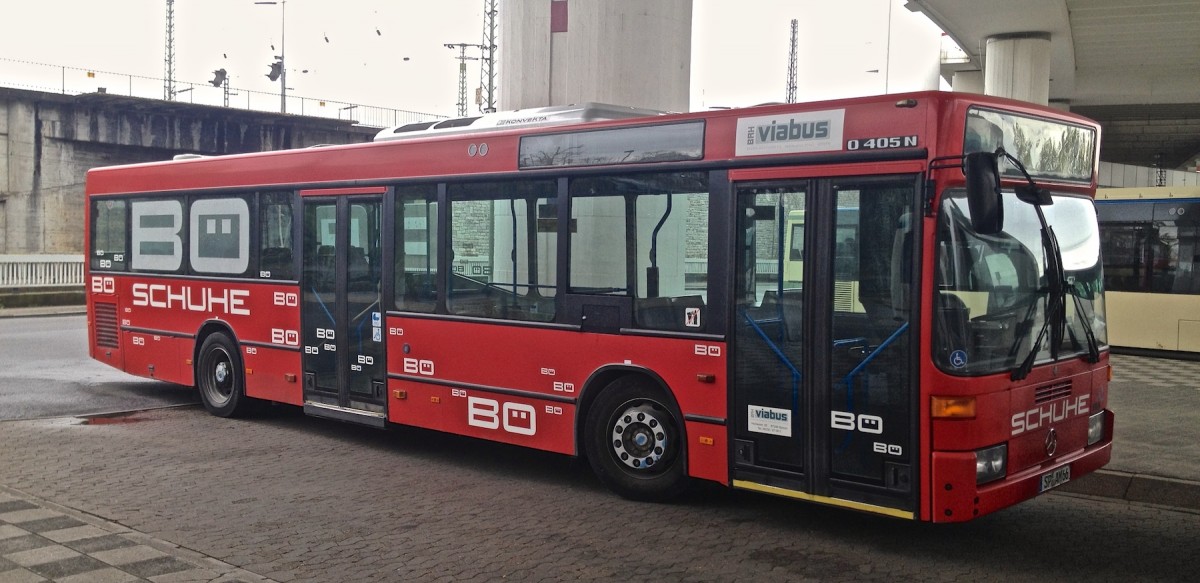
(341, 315)
(824, 361)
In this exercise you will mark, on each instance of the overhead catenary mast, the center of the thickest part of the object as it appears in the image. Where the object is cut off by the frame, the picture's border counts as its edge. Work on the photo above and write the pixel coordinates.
(169, 55)
(462, 73)
(487, 82)
(791, 74)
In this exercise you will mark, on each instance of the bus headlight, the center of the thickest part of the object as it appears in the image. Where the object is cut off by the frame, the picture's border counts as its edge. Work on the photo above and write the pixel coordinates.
(990, 463)
(1095, 428)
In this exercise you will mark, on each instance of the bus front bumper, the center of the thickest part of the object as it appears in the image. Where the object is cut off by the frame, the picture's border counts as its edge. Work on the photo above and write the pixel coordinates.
(956, 497)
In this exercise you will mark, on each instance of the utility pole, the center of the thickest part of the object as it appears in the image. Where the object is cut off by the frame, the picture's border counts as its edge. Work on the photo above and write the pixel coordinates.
(282, 70)
(791, 74)
(169, 60)
(488, 73)
(462, 73)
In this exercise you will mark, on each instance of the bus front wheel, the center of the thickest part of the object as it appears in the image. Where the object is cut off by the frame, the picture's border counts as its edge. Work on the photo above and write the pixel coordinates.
(634, 441)
(219, 377)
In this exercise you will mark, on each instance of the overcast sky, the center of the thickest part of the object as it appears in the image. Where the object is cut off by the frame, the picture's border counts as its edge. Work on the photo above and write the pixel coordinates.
(354, 50)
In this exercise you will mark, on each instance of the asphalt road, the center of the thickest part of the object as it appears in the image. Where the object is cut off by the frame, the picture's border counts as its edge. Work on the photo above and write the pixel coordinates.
(45, 372)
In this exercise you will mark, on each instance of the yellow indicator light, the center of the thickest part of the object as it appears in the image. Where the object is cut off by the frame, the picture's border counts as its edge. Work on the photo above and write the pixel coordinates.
(953, 408)
(402, 395)
(189, 363)
(249, 371)
(289, 377)
(91, 74)
(706, 440)
(435, 400)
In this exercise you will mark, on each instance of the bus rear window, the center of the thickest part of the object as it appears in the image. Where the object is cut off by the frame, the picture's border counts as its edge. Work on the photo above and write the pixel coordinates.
(109, 250)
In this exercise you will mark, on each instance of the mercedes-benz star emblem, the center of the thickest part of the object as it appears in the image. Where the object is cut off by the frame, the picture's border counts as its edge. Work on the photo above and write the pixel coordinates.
(1051, 442)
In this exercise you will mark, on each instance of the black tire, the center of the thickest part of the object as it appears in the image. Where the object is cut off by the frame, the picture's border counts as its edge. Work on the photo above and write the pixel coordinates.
(634, 441)
(220, 378)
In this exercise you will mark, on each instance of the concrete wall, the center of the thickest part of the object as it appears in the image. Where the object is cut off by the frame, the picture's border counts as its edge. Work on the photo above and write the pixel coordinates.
(626, 52)
(1127, 176)
(49, 141)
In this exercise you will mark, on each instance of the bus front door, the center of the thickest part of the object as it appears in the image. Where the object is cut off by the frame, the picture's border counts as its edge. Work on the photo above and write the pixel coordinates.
(341, 316)
(824, 362)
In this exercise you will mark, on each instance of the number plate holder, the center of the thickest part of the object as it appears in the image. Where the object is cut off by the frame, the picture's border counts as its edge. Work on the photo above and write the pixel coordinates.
(1054, 479)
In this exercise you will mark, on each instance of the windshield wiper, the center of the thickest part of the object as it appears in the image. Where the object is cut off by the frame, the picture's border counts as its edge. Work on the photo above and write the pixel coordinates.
(1093, 345)
(1056, 314)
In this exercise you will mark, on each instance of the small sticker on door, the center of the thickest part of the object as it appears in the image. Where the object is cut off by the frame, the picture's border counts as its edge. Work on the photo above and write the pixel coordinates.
(769, 420)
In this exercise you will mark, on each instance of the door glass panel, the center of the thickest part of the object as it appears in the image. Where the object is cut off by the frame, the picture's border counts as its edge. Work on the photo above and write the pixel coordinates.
(870, 389)
(768, 336)
(364, 326)
(320, 295)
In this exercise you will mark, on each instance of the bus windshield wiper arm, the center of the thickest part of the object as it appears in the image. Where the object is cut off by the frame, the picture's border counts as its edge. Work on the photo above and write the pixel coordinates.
(1093, 345)
(1022, 371)
(1056, 314)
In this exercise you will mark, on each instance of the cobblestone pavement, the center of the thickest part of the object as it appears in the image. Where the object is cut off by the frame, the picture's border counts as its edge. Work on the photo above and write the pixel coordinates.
(42, 541)
(1157, 407)
(293, 498)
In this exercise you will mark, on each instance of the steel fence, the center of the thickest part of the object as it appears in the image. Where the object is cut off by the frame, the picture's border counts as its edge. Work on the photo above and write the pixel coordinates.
(76, 80)
(40, 271)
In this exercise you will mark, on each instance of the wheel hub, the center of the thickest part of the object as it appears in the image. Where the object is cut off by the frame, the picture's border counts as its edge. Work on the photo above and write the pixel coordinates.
(222, 372)
(639, 438)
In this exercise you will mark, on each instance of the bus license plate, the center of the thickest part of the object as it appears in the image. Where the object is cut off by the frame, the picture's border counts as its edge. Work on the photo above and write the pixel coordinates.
(1054, 479)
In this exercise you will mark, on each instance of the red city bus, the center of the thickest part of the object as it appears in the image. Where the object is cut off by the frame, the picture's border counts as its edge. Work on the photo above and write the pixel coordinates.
(605, 282)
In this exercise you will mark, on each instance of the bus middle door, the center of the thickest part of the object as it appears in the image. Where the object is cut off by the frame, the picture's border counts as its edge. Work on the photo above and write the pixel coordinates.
(341, 315)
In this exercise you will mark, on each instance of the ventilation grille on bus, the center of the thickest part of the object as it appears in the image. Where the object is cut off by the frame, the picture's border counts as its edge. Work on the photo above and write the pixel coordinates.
(106, 325)
(1052, 392)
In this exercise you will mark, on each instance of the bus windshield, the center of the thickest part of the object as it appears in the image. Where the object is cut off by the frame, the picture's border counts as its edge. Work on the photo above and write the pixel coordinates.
(993, 290)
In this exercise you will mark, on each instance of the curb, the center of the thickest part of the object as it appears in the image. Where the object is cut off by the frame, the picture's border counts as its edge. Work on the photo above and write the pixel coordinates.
(43, 311)
(1135, 487)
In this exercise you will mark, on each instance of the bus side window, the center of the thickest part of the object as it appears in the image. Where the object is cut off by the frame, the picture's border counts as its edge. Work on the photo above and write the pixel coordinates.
(644, 235)
(504, 264)
(275, 256)
(416, 248)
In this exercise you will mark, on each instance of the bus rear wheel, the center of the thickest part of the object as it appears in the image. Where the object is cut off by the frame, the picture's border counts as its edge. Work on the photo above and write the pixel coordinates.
(634, 442)
(219, 377)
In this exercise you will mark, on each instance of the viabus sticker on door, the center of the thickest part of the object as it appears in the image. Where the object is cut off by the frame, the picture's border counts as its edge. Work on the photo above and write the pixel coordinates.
(769, 420)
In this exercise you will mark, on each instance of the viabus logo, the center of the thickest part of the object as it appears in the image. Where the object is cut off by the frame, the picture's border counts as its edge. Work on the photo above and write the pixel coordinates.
(793, 130)
(810, 131)
(771, 415)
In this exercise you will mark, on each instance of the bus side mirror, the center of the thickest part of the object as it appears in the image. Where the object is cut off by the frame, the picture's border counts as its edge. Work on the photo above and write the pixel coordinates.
(983, 192)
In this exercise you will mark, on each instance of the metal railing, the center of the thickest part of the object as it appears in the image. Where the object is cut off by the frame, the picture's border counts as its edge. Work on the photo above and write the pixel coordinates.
(75, 81)
(41, 271)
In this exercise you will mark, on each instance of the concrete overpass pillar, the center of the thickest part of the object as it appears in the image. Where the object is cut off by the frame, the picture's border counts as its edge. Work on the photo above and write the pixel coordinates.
(1017, 66)
(967, 82)
(625, 52)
